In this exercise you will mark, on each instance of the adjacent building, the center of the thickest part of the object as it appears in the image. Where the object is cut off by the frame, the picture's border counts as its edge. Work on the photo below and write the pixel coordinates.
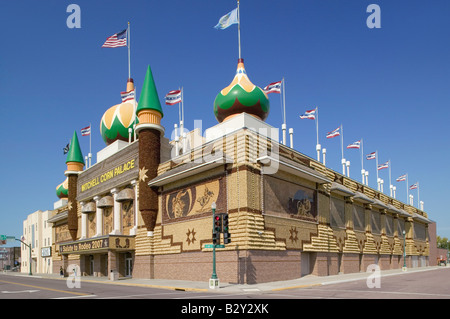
(38, 234)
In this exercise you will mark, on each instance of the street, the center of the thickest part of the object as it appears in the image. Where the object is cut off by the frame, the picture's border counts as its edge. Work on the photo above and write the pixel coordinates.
(431, 283)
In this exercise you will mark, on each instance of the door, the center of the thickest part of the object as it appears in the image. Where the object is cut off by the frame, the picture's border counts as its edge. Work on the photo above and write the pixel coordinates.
(128, 265)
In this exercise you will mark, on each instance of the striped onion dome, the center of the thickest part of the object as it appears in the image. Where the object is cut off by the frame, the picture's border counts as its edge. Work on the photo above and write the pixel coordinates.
(62, 190)
(241, 96)
(118, 119)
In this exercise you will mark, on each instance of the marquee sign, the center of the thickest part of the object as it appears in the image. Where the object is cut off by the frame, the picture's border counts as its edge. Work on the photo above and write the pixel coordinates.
(100, 243)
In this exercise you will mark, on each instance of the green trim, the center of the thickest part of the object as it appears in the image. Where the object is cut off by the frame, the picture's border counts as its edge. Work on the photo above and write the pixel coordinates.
(149, 99)
(74, 154)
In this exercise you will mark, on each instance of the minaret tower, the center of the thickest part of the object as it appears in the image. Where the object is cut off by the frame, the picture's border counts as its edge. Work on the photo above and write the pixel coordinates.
(149, 130)
(75, 164)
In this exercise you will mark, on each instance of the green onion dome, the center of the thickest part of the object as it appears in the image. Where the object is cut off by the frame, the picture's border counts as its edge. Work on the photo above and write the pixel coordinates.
(62, 190)
(241, 96)
(118, 119)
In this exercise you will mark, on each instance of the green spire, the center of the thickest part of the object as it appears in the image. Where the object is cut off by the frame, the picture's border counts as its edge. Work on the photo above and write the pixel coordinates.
(149, 99)
(74, 154)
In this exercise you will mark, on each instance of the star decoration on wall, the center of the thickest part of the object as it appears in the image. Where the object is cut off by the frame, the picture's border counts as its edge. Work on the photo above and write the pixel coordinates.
(189, 234)
(143, 174)
(294, 234)
(69, 205)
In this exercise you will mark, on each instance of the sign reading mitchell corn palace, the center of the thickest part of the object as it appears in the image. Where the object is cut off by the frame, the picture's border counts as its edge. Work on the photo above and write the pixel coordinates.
(145, 210)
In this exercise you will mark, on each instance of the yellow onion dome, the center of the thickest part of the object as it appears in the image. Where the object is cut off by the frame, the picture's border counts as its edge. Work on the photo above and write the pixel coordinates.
(241, 96)
(119, 118)
(62, 190)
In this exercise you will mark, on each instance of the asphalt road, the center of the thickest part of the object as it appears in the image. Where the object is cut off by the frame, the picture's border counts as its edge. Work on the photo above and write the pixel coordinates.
(429, 284)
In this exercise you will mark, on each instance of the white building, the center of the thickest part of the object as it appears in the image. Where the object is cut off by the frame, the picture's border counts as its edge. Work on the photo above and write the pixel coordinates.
(38, 234)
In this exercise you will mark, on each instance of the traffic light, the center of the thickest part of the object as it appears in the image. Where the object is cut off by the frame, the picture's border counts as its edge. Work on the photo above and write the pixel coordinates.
(217, 226)
(216, 238)
(225, 229)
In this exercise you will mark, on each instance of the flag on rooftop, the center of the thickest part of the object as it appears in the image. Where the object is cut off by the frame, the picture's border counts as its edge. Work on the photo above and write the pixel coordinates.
(334, 133)
(372, 155)
(116, 40)
(401, 178)
(86, 131)
(311, 114)
(274, 87)
(127, 96)
(413, 186)
(356, 144)
(173, 97)
(381, 166)
(66, 149)
(227, 20)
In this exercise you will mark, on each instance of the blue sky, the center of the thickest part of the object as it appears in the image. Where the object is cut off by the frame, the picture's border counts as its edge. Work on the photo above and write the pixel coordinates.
(389, 86)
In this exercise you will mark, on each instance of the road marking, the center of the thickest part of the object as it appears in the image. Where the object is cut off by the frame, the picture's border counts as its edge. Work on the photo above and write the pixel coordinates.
(18, 292)
(74, 297)
(45, 288)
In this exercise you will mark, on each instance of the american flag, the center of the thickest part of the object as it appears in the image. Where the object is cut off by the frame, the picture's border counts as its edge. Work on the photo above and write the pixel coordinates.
(372, 155)
(311, 114)
(401, 178)
(86, 131)
(274, 87)
(333, 133)
(356, 144)
(127, 96)
(381, 166)
(414, 186)
(116, 40)
(173, 97)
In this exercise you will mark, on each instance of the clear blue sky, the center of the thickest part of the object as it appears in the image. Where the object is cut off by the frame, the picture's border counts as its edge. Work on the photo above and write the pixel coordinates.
(389, 86)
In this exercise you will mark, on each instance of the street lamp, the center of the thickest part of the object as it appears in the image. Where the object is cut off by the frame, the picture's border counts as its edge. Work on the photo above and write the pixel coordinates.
(214, 281)
(404, 251)
(29, 247)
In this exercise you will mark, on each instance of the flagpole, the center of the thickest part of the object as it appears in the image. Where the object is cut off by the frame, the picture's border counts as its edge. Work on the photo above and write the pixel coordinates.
(362, 161)
(129, 45)
(317, 134)
(390, 184)
(378, 183)
(418, 196)
(342, 150)
(283, 127)
(239, 29)
(182, 106)
(407, 188)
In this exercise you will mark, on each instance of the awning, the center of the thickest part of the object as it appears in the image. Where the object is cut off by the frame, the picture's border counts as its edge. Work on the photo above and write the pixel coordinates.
(186, 170)
(362, 198)
(341, 189)
(271, 165)
(59, 217)
(378, 203)
(421, 218)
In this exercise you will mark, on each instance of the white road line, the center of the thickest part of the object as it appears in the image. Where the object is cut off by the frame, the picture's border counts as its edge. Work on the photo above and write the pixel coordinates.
(75, 297)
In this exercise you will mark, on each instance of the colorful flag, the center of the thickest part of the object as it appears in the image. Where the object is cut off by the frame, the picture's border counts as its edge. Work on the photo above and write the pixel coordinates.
(414, 186)
(66, 149)
(274, 87)
(401, 178)
(227, 20)
(173, 97)
(371, 156)
(381, 166)
(311, 114)
(334, 133)
(86, 131)
(127, 96)
(116, 40)
(356, 144)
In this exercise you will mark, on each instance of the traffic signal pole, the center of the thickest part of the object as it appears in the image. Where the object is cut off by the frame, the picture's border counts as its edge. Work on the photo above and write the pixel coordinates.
(214, 281)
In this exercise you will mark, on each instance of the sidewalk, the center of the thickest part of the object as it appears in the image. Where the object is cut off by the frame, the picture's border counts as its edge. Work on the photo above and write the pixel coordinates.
(304, 282)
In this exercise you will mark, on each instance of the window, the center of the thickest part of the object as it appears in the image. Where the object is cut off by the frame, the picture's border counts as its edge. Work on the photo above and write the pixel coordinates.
(359, 218)
(420, 231)
(375, 221)
(337, 212)
(389, 225)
